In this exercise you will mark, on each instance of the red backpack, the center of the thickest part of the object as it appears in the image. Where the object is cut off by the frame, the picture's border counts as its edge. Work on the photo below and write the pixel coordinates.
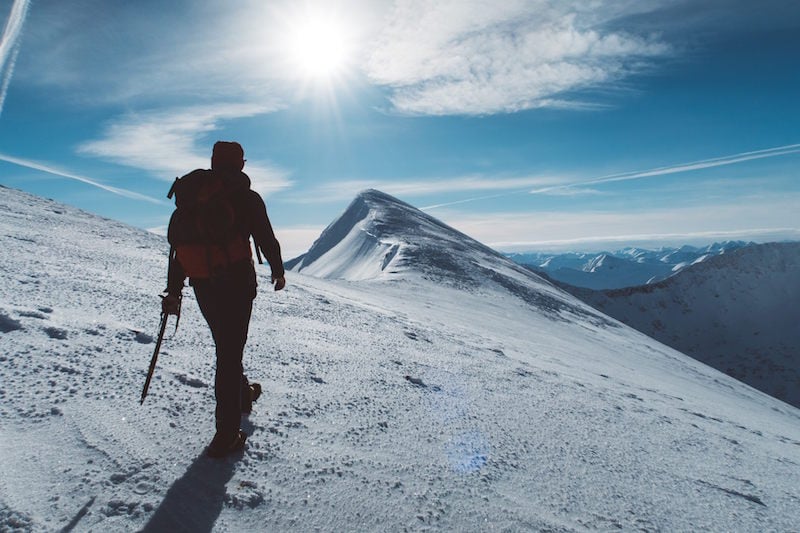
(203, 229)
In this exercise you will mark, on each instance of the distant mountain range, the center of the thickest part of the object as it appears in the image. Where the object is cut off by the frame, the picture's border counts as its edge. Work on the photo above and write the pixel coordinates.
(737, 312)
(628, 267)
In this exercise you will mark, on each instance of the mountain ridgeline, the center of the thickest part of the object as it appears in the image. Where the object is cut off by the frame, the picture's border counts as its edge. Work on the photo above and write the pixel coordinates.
(379, 237)
(730, 305)
(737, 312)
(627, 267)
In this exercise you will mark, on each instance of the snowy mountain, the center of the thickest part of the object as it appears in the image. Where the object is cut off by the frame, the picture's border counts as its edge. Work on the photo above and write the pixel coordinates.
(628, 267)
(379, 237)
(401, 403)
(736, 312)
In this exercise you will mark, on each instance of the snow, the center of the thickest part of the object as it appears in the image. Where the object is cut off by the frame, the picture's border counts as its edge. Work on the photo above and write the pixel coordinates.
(452, 392)
(628, 267)
(736, 312)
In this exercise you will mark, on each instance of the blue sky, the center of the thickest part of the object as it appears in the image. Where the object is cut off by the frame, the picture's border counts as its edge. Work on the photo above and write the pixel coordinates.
(528, 124)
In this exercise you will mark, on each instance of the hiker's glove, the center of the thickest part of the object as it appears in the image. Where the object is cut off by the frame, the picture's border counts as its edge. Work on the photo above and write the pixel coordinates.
(279, 282)
(171, 303)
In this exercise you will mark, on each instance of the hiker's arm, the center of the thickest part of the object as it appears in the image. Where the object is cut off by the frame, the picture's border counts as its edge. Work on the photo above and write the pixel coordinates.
(264, 236)
(175, 277)
(175, 273)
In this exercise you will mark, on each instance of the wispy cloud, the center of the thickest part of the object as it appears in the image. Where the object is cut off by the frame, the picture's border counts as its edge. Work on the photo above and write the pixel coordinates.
(9, 46)
(499, 187)
(759, 216)
(576, 187)
(676, 169)
(411, 188)
(42, 167)
(215, 51)
(478, 57)
(443, 57)
(172, 142)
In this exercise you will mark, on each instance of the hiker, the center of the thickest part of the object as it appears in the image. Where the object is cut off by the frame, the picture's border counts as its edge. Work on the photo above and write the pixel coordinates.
(216, 214)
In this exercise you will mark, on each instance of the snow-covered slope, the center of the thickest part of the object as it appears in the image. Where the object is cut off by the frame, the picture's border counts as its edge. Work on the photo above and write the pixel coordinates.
(379, 237)
(390, 405)
(737, 312)
(628, 267)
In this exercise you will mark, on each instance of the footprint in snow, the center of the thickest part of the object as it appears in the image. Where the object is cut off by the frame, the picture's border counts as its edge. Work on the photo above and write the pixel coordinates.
(419, 383)
(56, 333)
(416, 381)
(190, 381)
(8, 324)
(143, 338)
(33, 314)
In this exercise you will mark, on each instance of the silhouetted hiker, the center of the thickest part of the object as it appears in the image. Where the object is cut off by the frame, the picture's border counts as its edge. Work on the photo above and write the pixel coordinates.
(216, 214)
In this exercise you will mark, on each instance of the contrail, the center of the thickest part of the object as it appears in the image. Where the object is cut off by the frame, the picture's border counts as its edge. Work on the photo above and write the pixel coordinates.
(476, 199)
(683, 167)
(9, 45)
(639, 174)
(56, 172)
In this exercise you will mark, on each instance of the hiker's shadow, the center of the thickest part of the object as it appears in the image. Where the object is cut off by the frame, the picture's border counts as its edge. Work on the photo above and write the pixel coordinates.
(195, 501)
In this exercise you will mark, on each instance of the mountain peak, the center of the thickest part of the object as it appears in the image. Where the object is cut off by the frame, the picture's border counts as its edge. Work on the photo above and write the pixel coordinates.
(379, 236)
(376, 196)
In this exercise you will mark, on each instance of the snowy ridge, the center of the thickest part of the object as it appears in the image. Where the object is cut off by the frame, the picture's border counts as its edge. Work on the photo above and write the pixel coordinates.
(381, 238)
(389, 405)
(347, 249)
(628, 267)
(736, 312)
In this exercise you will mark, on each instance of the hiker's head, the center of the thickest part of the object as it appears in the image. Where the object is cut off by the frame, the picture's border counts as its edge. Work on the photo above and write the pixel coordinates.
(227, 156)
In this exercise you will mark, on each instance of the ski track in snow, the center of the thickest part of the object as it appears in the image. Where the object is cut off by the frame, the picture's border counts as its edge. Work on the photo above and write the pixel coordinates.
(396, 405)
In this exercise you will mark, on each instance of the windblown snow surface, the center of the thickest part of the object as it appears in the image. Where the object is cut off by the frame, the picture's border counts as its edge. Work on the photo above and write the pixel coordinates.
(394, 403)
(737, 312)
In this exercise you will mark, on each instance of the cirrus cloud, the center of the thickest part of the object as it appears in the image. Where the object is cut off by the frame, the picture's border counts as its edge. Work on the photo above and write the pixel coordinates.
(167, 143)
(9, 45)
(477, 57)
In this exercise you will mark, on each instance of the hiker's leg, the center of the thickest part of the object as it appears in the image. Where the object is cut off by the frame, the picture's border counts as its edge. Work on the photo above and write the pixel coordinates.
(229, 383)
(211, 301)
(227, 304)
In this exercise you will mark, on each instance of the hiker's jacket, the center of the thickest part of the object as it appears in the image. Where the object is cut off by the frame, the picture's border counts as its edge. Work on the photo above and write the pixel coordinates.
(251, 219)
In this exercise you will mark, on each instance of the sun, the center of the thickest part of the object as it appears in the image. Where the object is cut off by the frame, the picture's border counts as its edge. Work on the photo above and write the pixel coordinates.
(318, 47)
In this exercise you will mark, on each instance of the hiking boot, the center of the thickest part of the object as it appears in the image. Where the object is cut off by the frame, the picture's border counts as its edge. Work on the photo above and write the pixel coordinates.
(249, 395)
(223, 445)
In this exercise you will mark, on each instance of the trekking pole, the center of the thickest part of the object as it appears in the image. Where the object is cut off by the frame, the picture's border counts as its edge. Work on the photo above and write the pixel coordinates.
(164, 316)
(161, 329)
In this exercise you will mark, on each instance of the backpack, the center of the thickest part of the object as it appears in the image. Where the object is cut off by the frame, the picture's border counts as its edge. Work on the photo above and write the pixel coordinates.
(203, 229)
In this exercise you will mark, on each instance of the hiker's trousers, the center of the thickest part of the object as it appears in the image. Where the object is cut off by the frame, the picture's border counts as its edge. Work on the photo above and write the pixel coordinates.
(226, 302)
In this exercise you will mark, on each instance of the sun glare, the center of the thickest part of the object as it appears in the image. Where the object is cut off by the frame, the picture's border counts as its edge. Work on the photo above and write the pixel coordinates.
(318, 48)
